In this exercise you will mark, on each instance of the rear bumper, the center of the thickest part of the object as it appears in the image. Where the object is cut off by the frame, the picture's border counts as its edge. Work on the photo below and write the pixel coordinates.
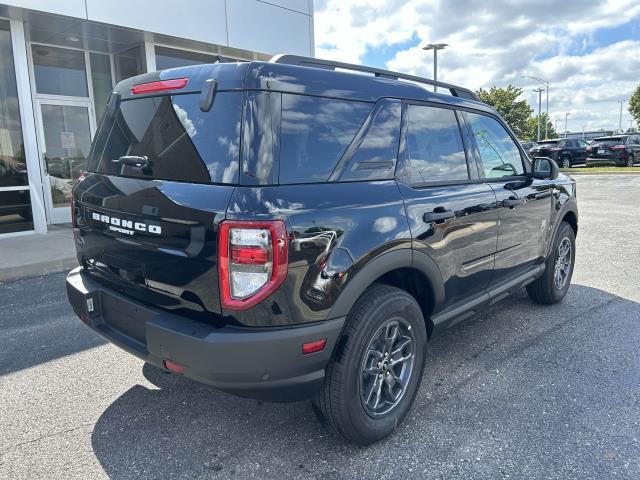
(260, 363)
(616, 161)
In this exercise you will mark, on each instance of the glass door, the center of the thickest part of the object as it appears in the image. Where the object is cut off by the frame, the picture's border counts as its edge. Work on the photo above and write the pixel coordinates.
(66, 129)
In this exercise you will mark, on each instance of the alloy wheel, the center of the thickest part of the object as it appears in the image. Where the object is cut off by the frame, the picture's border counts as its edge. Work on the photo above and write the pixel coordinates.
(562, 268)
(566, 163)
(387, 367)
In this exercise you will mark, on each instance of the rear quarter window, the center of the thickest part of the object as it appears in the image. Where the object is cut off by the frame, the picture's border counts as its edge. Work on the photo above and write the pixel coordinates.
(314, 133)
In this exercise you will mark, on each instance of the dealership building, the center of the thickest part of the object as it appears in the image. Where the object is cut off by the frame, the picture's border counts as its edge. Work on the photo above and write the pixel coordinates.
(59, 61)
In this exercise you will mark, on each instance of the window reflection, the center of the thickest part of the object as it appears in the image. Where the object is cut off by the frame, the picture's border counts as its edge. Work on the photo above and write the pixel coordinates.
(375, 156)
(15, 205)
(499, 153)
(101, 81)
(435, 152)
(15, 211)
(59, 71)
(173, 58)
(13, 167)
(315, 133)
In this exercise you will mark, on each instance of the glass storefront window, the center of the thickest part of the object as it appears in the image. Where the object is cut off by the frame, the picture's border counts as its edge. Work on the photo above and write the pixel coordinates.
(15, 204)
(101, 82)
(15, 211)
(67, 137)
(172, 58)
(129, 63)
(59, 71)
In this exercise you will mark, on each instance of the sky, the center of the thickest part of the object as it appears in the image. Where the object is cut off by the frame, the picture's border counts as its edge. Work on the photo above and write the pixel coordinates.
(588, 50)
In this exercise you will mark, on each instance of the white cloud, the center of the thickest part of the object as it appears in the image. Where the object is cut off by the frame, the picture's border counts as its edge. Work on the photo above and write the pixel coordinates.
(498, 42)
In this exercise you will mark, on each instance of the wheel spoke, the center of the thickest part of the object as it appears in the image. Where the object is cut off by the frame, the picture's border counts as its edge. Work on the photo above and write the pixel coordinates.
(378, 393)
(401, 360)
(377, 382)
(391, 335)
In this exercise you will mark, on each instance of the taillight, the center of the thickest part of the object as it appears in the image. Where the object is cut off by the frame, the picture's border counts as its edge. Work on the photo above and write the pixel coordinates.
(618, 147)
(161, 86)
(589, 149)
(252, 261)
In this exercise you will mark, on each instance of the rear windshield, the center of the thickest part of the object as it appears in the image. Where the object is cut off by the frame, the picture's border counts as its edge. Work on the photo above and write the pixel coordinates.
(179, 141)
(610, 140)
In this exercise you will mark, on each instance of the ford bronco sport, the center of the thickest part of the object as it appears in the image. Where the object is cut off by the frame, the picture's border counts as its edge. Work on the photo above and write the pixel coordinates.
(294, 229)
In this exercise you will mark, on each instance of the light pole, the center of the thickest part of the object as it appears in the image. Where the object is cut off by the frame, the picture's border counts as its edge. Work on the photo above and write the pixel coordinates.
(435, 47)
(546, 86)
(565, 123)
(621, 102)
(539, 90)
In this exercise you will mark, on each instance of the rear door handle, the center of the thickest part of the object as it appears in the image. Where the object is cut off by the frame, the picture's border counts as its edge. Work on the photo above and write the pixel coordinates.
(438, 215)
(511, 202)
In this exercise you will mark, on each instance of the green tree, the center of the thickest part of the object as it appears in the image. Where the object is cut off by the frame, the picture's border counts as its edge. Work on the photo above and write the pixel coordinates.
(505, 100)
(634, 105)
(531, 131)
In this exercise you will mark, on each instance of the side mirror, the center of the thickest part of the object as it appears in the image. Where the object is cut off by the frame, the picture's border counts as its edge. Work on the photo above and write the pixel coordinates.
(545, 168)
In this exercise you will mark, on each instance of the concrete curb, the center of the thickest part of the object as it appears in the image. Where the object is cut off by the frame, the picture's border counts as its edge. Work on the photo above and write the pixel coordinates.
(38, 269)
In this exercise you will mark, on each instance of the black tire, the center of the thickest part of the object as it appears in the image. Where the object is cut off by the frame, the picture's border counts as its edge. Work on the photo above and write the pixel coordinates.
(631, 161)
(545, 289)
(340, 402)
(566, 162)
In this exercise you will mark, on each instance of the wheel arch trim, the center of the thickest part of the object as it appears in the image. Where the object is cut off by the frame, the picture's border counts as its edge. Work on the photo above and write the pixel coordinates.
(385, 263)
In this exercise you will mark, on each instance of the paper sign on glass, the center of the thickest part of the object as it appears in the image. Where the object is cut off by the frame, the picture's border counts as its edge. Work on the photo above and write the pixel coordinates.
(68, 140)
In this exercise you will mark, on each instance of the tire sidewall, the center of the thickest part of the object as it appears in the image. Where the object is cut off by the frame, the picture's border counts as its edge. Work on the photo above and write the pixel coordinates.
(370, 428)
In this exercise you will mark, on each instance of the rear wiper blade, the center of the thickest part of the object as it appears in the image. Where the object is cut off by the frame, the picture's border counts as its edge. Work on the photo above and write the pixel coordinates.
(132, 160)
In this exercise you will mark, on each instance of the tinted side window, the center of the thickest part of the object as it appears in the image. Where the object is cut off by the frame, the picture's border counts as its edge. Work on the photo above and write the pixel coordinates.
(373, 154)
(499, 154)
(260, 137)
(434, 148)
(315, 132)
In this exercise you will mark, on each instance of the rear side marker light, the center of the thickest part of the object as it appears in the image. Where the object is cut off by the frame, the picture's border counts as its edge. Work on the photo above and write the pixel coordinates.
(174, 367)
(161, 86)
(252, 261)
(313, 347)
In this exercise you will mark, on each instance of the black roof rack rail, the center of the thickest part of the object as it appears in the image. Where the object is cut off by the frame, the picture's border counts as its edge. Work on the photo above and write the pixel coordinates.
(378, 72)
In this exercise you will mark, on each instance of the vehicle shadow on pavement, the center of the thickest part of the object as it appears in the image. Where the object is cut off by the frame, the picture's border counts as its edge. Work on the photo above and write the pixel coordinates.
(548, 386)
(37, 324)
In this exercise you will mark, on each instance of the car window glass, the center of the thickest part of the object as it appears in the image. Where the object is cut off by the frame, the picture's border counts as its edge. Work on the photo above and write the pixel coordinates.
(434, 148)
(499, 154)
(315, 132)
(374, 153)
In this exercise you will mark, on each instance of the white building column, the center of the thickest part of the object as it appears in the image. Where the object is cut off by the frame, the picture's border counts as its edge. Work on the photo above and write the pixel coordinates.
(28, 126)
(150, 56)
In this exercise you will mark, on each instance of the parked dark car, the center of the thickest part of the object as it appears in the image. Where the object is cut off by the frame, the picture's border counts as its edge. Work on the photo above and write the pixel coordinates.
(288, 229)
(621, 150)
(528, 145)
(566, 152)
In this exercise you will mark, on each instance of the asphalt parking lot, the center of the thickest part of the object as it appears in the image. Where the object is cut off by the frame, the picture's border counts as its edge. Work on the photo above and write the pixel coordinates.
(519, 391)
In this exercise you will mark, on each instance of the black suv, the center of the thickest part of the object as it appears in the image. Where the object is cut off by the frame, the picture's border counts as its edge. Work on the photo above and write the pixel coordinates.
(289, 229)
(567, 152)
(621, 150)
